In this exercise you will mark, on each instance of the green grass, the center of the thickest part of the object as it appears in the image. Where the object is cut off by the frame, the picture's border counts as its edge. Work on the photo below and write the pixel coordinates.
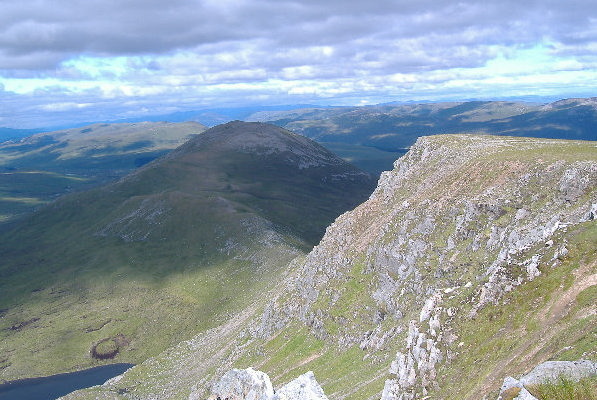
(162, 255)
(294, 351)
(565, 389)
(587, 297)
(498, 332)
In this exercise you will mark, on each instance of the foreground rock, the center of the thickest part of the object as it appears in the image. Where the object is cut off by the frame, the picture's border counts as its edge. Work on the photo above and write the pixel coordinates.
(248, 384)
(305, 387)
(243, 384)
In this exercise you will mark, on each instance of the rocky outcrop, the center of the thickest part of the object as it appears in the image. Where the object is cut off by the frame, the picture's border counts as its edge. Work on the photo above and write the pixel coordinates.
(245, 384)
(305, 387)
(548, 372)
(467, 216)
(248, 384)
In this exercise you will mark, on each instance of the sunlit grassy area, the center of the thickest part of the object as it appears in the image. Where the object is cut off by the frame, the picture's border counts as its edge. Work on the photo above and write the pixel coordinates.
(566, 389)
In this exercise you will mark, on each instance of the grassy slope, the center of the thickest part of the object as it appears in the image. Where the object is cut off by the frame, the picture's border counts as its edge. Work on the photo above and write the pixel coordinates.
(549, 318)
(36, 170)
(499, 341)
(166, 252)
(505, 339)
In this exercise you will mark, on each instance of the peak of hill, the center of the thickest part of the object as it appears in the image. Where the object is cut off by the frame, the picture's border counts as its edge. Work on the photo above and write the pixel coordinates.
(196, 234)
(474, 259)
(263, 139)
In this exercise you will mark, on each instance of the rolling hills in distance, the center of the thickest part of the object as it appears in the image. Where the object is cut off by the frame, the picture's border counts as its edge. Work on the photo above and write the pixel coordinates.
(37, 169)
(137, 265)
(396, 127)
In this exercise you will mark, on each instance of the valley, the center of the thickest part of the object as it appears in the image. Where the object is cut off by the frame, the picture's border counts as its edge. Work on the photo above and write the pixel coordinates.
(195, 234)
(36, 170)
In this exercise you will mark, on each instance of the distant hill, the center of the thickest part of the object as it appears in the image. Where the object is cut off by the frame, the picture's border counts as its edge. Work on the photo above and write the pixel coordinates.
(396, 127)
(37, 169)
(215, 116)
(12, 134)
(127, 269)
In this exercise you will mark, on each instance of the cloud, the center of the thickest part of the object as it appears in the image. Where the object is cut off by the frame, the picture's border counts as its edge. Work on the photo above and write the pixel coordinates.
(61, 28)
(276, 50)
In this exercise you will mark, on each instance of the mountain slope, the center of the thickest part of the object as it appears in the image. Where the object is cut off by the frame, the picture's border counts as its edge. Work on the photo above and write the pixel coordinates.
(195, 234)
(37, 169)
(473, 259)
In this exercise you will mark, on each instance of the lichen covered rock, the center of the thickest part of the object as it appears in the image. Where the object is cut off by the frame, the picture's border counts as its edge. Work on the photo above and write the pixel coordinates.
(305, 387)
(249, 384)
(243, 384)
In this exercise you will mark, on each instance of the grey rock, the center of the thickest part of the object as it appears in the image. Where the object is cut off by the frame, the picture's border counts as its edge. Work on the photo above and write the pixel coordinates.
(510, 383)
(305, 387)
(550, 371)
(245, 384)
(249, 384)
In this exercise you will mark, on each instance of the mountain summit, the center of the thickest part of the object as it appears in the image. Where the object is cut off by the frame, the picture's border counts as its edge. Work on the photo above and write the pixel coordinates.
(196, 234)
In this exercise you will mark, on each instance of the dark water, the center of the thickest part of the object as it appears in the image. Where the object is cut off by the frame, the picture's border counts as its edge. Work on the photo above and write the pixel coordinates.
(52, 387)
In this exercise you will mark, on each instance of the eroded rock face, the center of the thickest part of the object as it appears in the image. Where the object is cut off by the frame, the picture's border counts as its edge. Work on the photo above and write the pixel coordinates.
(249, 384)
(449, 219)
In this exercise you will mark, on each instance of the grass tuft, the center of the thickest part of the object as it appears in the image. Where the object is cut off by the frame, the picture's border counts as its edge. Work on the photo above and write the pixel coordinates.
(566, 389)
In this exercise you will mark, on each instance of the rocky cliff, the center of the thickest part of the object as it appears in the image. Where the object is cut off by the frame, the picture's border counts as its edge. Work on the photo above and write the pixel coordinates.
(474, 259)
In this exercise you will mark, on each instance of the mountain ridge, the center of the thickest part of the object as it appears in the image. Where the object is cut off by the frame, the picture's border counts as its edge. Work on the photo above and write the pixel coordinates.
(395, 127)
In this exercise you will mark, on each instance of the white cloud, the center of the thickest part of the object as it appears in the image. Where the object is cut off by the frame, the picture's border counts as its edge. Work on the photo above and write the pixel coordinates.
(64, 106)
(193, 52)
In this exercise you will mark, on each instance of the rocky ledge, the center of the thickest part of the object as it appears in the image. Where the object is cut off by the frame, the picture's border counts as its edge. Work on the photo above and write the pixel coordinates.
(249, 384)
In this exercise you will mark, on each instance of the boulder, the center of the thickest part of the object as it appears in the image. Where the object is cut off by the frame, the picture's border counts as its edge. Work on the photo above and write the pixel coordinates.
(305, 387)
(243, 384)
(248, 384)
(550, 371)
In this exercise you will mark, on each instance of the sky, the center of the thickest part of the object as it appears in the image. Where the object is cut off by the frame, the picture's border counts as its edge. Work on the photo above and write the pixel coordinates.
(67, 61)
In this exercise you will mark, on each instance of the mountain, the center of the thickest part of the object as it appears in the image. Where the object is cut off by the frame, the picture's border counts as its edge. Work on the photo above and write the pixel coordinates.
(215, 116)
(474, 259)
(12, 134)
(127, 269)
(387, 129)
(37, 169)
